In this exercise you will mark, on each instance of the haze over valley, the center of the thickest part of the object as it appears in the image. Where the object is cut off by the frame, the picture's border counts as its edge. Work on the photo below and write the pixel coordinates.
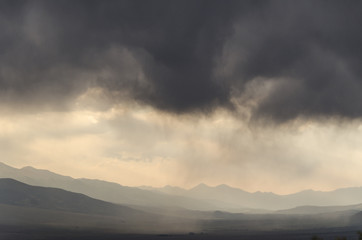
(111, 208)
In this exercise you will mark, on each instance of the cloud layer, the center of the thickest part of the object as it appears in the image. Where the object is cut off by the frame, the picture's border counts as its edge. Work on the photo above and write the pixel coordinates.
(185, 56)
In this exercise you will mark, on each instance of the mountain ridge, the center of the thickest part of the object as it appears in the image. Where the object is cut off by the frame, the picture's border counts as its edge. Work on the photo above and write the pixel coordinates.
(201, 197)
(100, 189)
(13, 192)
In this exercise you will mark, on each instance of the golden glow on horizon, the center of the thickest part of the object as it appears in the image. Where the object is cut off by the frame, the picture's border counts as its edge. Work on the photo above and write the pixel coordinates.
(139, 146)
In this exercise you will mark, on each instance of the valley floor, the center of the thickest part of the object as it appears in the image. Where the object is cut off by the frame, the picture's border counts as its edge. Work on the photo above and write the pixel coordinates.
(41, 233)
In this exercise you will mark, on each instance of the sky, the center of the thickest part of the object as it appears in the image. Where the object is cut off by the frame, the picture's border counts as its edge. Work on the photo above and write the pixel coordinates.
(259, 95)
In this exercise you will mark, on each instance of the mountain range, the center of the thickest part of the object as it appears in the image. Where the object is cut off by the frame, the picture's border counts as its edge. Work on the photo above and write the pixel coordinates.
(201, 197)
(36, 202)
(267, 200)
(27, 208)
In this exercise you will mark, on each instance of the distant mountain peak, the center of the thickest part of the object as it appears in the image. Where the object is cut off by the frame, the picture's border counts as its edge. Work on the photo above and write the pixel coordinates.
(28, 168)
(201, 185)
(227, 187)
(264, 193)
(172, 187)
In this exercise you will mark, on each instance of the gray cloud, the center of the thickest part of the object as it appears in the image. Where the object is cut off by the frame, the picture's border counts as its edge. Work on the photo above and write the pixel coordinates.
(314, 46)
(185, 56)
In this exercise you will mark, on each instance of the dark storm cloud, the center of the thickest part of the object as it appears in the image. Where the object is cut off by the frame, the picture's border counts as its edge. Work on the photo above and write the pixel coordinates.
(314, 47)
(173, 55)
(48, 45)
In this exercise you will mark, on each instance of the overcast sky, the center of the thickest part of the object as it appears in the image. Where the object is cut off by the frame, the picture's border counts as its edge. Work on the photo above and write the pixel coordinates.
(260, 95)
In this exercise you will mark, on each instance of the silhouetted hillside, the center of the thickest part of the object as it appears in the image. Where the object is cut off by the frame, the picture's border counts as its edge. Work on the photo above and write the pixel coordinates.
(106, 191)
(320, 209)
(13, 192)
(22, 205)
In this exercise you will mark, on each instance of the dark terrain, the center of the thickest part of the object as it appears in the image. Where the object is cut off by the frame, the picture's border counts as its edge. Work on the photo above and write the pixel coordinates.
(33, 212)
(47, 233)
